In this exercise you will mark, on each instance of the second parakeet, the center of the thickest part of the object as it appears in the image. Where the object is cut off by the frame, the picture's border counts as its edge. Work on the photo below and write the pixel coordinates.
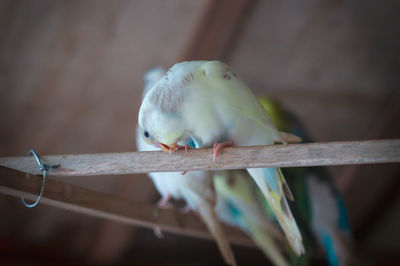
(318, 204)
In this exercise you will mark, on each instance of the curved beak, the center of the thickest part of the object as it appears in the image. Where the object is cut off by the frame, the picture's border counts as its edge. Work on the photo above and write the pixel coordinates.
(164, 147)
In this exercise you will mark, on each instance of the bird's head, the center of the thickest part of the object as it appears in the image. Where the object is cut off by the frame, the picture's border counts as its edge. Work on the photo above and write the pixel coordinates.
(160, 127)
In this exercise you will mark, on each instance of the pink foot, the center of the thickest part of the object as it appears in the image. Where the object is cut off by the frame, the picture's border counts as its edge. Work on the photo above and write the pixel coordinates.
(186, 148)
(218, 147)
(164, 203)
(180, 147)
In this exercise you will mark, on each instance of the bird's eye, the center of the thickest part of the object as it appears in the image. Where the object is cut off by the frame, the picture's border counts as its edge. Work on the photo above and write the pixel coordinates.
(146, 133)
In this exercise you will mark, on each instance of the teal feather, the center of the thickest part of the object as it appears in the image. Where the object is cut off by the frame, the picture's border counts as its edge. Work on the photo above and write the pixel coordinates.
(272, 178)
(330, 249)
(343, 222)
(233, 210)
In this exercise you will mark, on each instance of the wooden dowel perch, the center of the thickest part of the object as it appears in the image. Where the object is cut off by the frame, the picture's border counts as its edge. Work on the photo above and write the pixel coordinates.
(88, 202)
(312, 154)
(85, 201)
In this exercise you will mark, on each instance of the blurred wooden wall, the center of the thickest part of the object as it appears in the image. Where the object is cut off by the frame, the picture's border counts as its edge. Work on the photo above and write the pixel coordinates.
(71, 82)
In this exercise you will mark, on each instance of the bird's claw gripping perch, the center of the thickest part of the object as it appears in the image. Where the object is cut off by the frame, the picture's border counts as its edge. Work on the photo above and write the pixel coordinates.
(218, 148)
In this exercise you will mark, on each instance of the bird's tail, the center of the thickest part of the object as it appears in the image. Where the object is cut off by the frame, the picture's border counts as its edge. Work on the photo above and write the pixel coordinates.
(274, 187)
(209, 216)
(264, 241)
(330, 222)
(336, 248)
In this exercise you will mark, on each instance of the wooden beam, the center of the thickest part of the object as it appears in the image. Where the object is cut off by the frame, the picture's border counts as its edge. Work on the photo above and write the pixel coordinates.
(88, 202)
(312, 154)
(218, 31)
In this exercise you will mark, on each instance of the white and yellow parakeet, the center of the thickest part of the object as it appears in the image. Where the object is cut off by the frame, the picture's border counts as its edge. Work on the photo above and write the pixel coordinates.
(206, 102)
(195, 187)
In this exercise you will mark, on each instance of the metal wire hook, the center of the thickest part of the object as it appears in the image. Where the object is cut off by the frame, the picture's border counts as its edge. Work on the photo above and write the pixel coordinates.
(43, 168)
